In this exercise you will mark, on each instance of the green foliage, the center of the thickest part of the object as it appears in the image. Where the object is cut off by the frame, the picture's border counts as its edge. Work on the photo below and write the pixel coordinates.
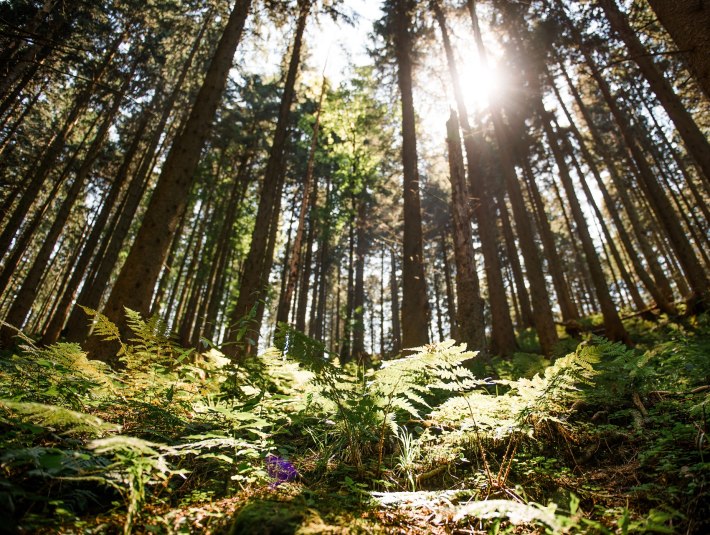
(370, 406)
(180, 430)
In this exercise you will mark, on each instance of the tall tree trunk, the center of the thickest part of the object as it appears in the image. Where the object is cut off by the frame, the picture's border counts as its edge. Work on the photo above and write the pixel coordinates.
(526, 313)
(258, 263)
(450, 302)
(613, 327)
(358, 323)
(662, 285)
(54, 328)
(544, 320)
(470, 321)
(696, 274)
(695, 142)
(394, 297)
(294, 264)
(502, 334)
(569, 311)
(136, 281)
(415, 306)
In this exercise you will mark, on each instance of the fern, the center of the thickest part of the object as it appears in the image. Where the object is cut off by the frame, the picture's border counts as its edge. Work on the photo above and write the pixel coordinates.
(54, 417)
(105, 328)
(549, 392)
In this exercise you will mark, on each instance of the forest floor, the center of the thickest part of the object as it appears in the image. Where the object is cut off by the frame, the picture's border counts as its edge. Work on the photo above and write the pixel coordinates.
(602, 439)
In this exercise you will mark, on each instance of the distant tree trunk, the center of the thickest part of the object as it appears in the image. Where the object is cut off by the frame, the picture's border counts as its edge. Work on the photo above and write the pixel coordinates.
(502, 334)
(223, 242)
(304, 284)
(358, 320)
(662, 285)
(661, 300)
(54, 328)
(613, 327)
(450, 301)
(470, 321)
(696, 274)
(394, 297)
(526, 313)
(559, 281)
(294, 264)
(136, 281)
(415, 306)
(601, 223)
(346, 345)
(695, 142)
(257, 264)
(54, 149)
(29, 289)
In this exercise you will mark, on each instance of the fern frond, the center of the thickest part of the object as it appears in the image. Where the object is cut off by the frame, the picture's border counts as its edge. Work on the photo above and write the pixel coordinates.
(52, 416)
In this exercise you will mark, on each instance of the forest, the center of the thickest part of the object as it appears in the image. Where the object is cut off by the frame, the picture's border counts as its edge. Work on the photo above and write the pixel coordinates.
(354, 266)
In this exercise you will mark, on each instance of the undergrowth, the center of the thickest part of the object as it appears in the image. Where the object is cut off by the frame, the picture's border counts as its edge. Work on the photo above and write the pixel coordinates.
(602, 439)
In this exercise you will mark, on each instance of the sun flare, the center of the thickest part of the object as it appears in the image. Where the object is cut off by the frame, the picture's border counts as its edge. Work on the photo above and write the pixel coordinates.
(479, 83)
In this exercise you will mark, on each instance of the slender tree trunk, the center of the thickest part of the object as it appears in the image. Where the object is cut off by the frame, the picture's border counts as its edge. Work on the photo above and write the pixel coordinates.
(569, 311)
(294, 264)
(358, 323)
(526, 313)
(613, 327)
(470, 321)
(54, 149)
(664, 304)
(662, 287)
(450, 302)
(696, 274)
(394, 297)
(502, 334)
(54, 328)
(415, 306)
(29, 290)
(258, 262)
(544, 321)
(695, 142)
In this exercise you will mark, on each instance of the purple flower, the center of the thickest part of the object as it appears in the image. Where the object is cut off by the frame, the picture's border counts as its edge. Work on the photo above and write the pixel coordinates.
(280, 470)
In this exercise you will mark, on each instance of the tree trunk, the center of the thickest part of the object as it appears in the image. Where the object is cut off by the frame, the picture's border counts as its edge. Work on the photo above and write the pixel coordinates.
(662, 286)
(470, 321)
(257, 262)
(394, 297)
(502, 335)
(695, 142)
(358, 322)
(136, 281)
(294, 264)
(415, 306)
(613, 327)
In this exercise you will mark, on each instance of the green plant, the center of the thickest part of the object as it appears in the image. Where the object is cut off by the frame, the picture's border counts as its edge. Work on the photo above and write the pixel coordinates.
(407, 456)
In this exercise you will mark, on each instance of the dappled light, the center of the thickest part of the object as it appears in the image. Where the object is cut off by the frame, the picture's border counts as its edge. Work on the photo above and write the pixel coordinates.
(354, 266)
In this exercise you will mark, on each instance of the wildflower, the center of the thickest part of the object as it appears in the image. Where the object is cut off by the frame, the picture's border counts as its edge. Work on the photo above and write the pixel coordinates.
(280, 470)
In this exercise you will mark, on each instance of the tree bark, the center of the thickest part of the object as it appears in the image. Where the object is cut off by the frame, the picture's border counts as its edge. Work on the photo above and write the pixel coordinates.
(257, 264)
(470, 320)
(415, 306)
(135, 283)
(695, 142)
